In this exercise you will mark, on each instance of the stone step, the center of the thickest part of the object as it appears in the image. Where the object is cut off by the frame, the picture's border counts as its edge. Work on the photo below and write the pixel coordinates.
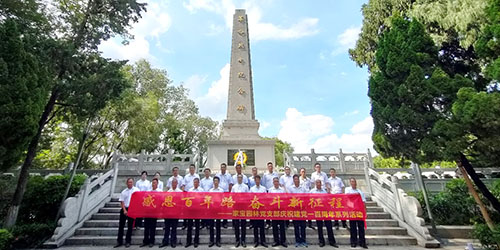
(160, 223)
(393, 240)
(116, 216)
(109, 231)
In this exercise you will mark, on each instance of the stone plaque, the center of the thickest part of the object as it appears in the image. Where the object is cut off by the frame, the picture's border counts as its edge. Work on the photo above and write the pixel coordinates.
(248, 156)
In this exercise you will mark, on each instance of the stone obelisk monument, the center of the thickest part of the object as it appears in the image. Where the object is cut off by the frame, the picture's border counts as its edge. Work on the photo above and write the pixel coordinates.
(240, 137)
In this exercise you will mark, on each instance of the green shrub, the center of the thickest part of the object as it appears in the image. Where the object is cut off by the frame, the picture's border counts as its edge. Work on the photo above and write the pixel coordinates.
(31, 235)
(43, 196)
(489, 239)
(5, 239)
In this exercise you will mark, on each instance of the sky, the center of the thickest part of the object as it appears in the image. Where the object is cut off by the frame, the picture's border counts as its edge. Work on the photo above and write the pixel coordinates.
(306, 89)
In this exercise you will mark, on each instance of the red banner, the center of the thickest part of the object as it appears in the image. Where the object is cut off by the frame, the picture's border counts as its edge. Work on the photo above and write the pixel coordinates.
(272, 206)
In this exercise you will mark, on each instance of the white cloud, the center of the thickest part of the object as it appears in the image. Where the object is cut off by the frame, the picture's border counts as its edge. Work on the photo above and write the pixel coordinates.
(259, 30)
(347, 40)
(214, 102)
(263, 126)
(194, 83)
(315, 131)
(153, 23)
(351, 113)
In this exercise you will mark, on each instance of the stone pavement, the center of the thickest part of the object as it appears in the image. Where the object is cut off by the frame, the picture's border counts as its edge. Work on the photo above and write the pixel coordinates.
(458, 244)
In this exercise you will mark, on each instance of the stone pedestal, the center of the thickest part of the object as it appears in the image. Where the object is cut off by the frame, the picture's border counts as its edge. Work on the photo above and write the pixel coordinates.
(218, 152)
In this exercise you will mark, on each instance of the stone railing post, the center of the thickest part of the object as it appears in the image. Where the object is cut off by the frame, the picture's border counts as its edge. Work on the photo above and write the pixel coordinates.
(342, 161)
(367, 178)
(397, 198)
(83, 198)
(142, 156)
(170, 156)
(115, 178)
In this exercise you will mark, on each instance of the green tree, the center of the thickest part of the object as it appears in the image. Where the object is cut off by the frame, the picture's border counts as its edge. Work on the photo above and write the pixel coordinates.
(23, 82)
(409, 93)
(77, 28)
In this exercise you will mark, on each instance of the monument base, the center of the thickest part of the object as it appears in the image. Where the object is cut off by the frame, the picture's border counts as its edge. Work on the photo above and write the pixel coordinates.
(258, 153)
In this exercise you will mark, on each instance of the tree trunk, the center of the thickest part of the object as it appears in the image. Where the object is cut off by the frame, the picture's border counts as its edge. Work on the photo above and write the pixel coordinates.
(480, 184)
(11, 217)
(474, 194)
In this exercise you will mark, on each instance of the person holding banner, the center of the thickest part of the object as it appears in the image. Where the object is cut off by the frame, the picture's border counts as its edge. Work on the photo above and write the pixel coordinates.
(125, 196)
(328, 223)
(267, 181)
(150, 223)
(143, 185)
(187, 184)
(336, 187)
(189, 239)
(240, 225)
(225, 182)
(305, 182)
(299, 225)
(160, 183)
(258, 225)
(216, 223)
(357, 227)
(171, 224)
(279, 234)
(206, 182)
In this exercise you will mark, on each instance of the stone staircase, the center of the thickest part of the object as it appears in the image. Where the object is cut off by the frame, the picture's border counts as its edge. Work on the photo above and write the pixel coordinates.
(102, 229)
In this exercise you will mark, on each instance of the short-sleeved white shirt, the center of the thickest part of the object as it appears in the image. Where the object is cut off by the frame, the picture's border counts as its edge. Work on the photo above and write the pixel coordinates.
(143, 185)
(188, 181)
(235, 179)
(126, 195)
(350, 190)
(267, 179)
(180, 181)
(207, 183)
(276, 190)
(321, 176)
(260, 189)
(317, 191)
(286, 180)
(225, 180)
(336, 185)
(296, 190)
(216, 190)
(239, 188)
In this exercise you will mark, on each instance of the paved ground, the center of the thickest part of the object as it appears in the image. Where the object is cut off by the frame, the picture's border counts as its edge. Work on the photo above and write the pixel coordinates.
(458, 245)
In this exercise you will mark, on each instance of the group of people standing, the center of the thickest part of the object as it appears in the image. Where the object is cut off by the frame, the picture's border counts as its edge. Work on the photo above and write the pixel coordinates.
(269, 182)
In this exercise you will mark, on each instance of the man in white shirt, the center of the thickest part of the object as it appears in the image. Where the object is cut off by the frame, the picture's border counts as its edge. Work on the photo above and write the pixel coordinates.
(267, 179)
(319, 175)
(305, 181)
(279, 229)
(286, 180)
(328, 223)
(143, 185)
(150, 223)
(207, 183)
(125, 197)
(226, 180)
(238, 172)
(216, 223)
(258, 225)
(336, 187)
(240, 225)
(160, 183)
(251, 179)
(357, 227)
(176, 176)
(299, 225)
(226, 183)
(171, 224)
(189, 239)
(188, 179)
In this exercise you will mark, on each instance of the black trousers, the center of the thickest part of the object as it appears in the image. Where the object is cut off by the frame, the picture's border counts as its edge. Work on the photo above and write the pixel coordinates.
(189, 238)
(300, 231)
(336, 223)
(357, 228)
(329, 230)
(121, 227)
(240, 230)
(149, 230)
(211, 225)
(259, 233)
(170, 231)
(279, 229)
